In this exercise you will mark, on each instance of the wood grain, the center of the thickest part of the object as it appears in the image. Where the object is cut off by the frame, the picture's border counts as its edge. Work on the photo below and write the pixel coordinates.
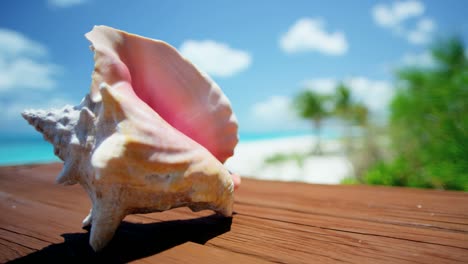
(273, 222)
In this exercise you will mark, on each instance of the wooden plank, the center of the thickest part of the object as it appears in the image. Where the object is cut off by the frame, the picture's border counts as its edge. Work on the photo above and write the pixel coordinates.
(195, 253)
(292, 242)
(10, 250)
(274, 221)
(443, 208)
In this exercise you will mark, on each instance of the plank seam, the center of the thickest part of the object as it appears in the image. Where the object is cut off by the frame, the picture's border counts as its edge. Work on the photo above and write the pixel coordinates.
(352, 232)
(16, 243)
(18, 233)
(360, 219)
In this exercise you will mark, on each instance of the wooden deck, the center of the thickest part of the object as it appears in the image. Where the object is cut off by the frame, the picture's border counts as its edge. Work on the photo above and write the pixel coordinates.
(40, 222)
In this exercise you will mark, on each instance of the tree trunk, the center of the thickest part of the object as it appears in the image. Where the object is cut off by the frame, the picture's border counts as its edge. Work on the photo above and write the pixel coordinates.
(347, 138)
(318, 143)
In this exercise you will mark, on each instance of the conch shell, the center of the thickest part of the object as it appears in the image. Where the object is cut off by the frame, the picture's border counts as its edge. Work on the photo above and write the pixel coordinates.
(151, 135)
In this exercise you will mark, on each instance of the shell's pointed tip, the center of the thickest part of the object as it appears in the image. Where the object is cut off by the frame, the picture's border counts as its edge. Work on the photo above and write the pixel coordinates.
(96, 97)
(31, 115)
(65, 176)
(27, 113)
(96, 245)
(62, 180)
(104, 85)
(59, 179)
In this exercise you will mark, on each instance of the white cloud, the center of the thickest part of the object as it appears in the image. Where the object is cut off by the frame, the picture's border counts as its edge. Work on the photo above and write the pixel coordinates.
(11, 119)
(309, 35)
(423, 59)
(391, 16)
(423, 31)
(396, 16)
(275, 107)
(373, 93)
(14, 44)
(217, 59)
(14, 108)
(65, 3)
(23, 63)
(320, 85)
(274, 114)
(28, 73)
(25, 73)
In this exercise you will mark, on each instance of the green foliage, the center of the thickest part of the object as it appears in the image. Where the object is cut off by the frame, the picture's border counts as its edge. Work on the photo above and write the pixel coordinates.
(348, 110)
(350, 181)
(429, 125)
(342, 100)
(359, 114)
(443, 175)
(310, 105)
(316, 107)
(383, 174)
(280, 158)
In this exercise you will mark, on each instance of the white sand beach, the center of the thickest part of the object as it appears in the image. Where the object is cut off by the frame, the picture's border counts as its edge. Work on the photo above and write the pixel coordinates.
(330, 168)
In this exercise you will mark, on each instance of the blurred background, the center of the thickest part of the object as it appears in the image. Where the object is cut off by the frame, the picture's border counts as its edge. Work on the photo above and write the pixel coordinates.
(371, 92)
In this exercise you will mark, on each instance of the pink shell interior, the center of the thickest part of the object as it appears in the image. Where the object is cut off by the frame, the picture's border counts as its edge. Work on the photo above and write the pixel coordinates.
(173, 87)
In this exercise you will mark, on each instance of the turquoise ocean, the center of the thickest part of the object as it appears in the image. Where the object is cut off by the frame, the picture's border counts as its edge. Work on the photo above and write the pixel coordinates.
(25, 149)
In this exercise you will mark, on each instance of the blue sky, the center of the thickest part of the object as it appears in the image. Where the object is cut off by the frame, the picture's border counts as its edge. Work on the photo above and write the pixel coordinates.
(261, 53)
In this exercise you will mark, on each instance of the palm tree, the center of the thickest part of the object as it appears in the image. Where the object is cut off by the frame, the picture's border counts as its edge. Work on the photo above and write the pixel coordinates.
(343, 101)
(343, 109)
(310, 105)
(355, 114)
(349, 111)
(360, 114)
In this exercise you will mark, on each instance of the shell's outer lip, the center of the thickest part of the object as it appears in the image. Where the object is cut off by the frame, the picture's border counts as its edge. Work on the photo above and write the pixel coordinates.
(168, 83)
